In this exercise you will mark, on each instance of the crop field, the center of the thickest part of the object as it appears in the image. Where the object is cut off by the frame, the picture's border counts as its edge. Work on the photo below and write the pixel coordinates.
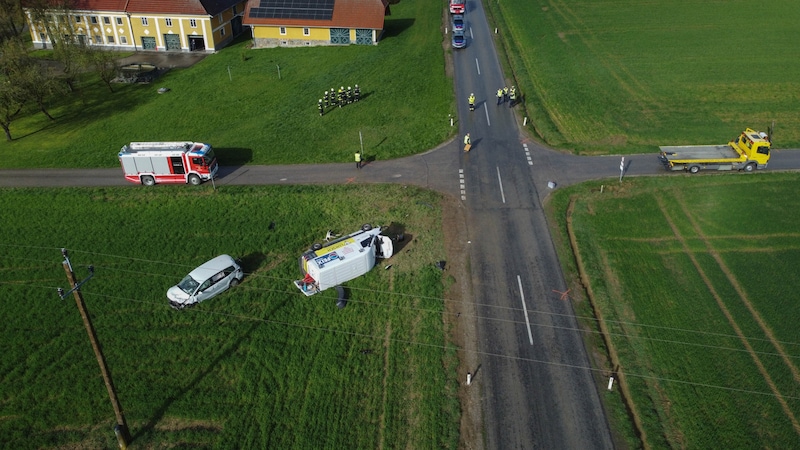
(259, 106)
(627, 76)
(695, 280)
(260, 366)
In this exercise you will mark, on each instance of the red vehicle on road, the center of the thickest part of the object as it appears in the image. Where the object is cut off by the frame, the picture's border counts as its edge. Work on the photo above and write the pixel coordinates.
(149, 163)
(457, 6)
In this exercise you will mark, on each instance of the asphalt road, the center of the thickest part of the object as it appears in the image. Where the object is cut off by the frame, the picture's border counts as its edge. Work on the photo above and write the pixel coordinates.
(535, 389)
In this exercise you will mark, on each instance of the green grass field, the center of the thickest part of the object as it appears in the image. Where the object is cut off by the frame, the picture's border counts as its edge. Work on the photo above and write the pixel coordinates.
(626, 77)
(253, 116)
(261, 366)
(696, 280)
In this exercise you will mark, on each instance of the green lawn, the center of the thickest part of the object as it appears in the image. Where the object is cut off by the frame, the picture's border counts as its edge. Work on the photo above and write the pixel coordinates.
(235, 100)
(695, 278)
(261, 366)
(625, 77)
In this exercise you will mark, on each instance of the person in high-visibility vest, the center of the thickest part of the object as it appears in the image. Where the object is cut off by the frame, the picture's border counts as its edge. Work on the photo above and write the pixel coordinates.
(358, 160)
(467, 143)
(505, 93)
(472, 102)
(499, 96)
(512, 96)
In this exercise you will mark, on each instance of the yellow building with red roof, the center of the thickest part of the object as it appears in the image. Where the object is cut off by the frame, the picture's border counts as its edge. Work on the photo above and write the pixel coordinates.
(278, 23)
(153, 25)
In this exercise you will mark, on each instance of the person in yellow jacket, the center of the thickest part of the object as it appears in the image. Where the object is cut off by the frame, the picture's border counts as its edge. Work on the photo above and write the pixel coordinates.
(471, 102)
(499, 96)
(467, 143)
(358, 159)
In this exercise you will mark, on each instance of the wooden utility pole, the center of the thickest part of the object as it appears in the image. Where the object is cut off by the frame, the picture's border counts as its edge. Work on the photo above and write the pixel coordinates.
(121, 429)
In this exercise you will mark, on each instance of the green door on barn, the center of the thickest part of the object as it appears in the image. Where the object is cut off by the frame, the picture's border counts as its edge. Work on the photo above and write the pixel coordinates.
(363, 36)
(173, 41)
(340, 35)
(148, 43)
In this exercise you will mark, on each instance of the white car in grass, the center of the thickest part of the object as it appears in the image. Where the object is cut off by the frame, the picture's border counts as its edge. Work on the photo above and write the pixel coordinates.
(207, 281)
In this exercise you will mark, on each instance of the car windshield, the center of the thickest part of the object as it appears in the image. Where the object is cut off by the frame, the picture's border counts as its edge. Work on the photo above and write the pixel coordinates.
(209, 156)
(188, 284)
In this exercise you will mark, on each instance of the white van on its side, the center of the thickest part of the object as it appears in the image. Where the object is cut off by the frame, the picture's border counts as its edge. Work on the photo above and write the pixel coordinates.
(205, 282)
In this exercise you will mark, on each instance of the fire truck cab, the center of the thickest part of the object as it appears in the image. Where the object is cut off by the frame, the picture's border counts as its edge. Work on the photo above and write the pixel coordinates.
(149, 163)
(457, 6)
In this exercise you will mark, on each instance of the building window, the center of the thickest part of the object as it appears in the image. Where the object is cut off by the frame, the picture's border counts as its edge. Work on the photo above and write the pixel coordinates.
(234, 10)
(283, 30)
(42, 37)
(107, 20)
(93, 19)
(222, 31)
(119, 20)
(168, 21)
(144, 21)
(77, 19)
(123, 39)
(306, 32)
(193, 23)
(110, 39)
(220, 18)
(98, 39)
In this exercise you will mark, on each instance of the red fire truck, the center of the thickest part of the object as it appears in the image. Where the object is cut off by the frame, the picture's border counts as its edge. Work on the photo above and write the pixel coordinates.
(149, 163)
(457, 6)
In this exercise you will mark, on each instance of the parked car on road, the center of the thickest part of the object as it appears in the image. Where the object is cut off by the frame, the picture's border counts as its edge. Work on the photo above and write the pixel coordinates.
(208, 280)
(459, 40)
(458, 22)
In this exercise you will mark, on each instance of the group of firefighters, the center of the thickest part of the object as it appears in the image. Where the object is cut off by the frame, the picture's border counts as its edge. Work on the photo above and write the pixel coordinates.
(504, 94)
(338, 98)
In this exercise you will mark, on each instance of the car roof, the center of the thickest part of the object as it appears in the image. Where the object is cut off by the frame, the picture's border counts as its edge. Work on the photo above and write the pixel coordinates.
(211, 267)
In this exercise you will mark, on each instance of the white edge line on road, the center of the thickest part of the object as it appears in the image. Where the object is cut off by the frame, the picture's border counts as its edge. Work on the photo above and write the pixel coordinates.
(500, 180)
(478, 66)
(472, 36)
(525, 309)
(486, 110)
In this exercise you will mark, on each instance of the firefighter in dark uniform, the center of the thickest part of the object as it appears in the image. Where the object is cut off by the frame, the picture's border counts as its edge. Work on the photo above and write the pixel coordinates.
(357, 93)
(325, 96)
(341, 96)
(320, 107)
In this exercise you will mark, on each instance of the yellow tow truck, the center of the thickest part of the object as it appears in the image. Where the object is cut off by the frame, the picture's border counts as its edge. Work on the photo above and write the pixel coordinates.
(748, 152)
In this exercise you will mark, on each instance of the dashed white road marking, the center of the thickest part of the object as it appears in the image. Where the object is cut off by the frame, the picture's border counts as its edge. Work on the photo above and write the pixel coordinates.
(528, 154)
(525, 309)
(461, 184)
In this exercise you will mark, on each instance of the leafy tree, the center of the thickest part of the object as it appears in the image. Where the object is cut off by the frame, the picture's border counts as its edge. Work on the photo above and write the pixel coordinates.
(106, 65)
(11, 19)
(11, 104)
(29, 80)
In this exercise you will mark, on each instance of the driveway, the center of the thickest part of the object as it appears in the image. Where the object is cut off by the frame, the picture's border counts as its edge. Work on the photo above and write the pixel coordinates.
(165, 60)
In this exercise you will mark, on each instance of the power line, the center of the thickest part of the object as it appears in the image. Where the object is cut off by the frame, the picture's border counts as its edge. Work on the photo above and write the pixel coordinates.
(512, 309)
(199, 310)
(256, 275)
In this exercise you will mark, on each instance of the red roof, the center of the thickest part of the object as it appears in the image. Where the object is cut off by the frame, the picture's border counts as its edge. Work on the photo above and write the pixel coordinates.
(85, 5)
(193, 7)
(346, 14)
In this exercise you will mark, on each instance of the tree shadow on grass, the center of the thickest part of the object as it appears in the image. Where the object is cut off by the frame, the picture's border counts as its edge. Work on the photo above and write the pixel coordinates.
(394, 27)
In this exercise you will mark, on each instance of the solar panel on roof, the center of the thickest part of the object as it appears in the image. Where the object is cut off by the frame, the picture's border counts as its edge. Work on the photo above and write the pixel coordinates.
(293, 9)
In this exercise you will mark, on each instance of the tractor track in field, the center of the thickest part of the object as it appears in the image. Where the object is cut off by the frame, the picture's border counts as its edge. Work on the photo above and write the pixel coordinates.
(720, 302)
(739, 290)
